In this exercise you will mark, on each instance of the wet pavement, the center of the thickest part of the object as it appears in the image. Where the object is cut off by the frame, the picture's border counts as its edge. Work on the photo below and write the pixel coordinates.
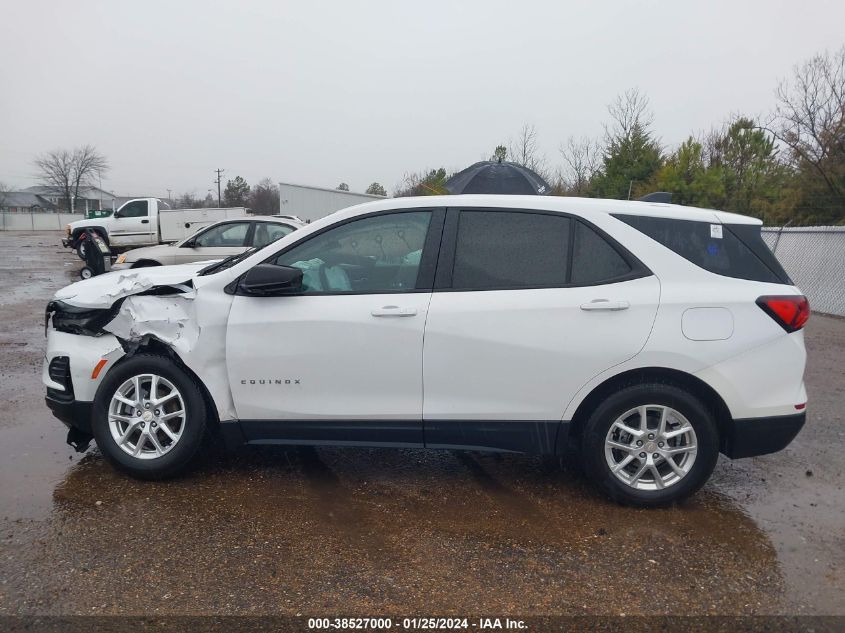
(389, 532)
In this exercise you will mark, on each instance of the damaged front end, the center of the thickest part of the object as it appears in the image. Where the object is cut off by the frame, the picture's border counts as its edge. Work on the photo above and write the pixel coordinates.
(92, 325)
(77, 320)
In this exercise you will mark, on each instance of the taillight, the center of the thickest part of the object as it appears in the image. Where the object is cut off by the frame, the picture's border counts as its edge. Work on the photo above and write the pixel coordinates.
(790, 311)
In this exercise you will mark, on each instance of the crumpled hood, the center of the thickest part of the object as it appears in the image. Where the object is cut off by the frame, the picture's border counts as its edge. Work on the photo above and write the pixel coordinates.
(103, 290)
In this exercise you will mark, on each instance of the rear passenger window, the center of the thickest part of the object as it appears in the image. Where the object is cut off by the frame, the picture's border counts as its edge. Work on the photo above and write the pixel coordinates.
(499, 249)
(594, 259)
(695, 241)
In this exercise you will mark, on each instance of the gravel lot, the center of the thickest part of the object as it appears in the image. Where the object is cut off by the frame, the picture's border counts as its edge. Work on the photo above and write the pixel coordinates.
(392, 532)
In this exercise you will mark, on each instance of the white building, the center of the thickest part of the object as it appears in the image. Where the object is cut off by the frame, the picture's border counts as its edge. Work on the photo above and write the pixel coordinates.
(313, 203)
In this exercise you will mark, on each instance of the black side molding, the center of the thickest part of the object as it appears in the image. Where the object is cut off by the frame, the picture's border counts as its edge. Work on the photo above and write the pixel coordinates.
(760, 436)
(387, 433)
(538, 437)
(543, 437)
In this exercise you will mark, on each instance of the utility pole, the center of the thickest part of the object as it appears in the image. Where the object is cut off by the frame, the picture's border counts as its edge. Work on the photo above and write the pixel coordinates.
(219, 173)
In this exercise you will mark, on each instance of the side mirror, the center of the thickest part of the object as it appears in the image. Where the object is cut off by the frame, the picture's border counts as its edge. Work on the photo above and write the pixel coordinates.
(269, 280)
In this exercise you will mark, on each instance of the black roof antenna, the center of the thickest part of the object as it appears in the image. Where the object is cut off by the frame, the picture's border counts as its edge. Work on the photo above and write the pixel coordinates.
(657, 196)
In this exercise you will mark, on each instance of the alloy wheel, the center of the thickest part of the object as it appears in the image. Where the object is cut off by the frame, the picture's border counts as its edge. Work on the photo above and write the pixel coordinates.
(650, 447)
(147, 416)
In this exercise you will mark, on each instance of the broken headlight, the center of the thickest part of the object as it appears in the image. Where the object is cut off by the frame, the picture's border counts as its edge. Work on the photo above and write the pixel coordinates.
(73, 320)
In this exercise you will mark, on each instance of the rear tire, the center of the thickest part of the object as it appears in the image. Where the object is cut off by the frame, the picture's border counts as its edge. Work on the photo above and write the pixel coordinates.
(137, 421)
(650, 445)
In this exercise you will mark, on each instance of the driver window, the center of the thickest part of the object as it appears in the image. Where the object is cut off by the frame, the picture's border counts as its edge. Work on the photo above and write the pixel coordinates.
(137, 209)
(223, 235)
(377, 254)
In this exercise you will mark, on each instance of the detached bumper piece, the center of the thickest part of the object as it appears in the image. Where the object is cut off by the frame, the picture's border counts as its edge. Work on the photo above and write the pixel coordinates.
(76, 416)
(73, 414)
(761, 436)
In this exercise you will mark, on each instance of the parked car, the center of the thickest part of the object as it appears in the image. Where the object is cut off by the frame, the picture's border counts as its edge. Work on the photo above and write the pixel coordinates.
(218, 241)
(648, 336)
(143, 222)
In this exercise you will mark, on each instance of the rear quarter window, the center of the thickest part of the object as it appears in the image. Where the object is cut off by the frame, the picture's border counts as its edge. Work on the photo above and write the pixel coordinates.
(739, 253)
(594, 260)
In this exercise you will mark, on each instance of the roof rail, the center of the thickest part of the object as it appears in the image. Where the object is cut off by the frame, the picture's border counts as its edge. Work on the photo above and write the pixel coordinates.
(657, 196)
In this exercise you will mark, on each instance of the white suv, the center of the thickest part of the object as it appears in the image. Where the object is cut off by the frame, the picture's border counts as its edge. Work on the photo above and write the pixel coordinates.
(649, 336)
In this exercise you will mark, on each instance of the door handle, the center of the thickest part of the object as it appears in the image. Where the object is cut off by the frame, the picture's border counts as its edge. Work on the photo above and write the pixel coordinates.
(606, 305)
(145, 221)
(394, 311)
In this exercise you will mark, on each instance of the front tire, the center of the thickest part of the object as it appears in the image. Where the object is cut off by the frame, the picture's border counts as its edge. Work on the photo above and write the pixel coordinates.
(80, 250)
(650, 445)
(149, 417)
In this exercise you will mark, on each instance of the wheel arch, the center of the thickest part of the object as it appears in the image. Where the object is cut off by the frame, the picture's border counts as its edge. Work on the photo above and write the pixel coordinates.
(708, 395)
(152, 345)
(77, 233)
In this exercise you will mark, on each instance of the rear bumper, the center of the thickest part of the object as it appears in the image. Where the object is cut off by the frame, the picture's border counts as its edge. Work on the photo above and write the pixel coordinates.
(760, 436)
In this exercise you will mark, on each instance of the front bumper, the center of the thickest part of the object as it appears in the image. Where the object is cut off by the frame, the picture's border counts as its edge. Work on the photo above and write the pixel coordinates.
(73, 413)
(123, 266)
(67, 242)
(76, 416)
(750, 437)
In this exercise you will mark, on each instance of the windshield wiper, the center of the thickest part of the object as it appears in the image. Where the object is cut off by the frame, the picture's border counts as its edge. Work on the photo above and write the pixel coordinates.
(230, 261)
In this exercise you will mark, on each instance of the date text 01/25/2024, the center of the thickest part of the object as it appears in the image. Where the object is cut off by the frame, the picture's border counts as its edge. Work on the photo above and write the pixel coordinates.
(417, 623)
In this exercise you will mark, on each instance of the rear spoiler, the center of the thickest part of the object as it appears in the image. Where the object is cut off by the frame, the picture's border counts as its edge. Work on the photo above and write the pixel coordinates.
(657, 196)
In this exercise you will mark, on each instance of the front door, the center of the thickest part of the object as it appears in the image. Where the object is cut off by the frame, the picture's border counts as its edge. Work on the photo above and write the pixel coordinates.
(131, 226)
(342, 360)
(216, 242)
(516, 326)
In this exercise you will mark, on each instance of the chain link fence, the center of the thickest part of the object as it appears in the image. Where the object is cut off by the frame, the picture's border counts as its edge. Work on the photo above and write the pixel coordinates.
(814, 256)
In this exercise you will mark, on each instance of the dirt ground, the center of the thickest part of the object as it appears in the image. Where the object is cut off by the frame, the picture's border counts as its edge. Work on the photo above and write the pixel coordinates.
(390, 532)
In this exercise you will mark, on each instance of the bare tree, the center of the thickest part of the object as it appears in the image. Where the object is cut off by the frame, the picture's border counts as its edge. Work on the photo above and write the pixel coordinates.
(582, 158)
(264, 199)
(630, 113)
(4, 189)
(69, 170)
(189, 200)
(810, 117)
(524, 151)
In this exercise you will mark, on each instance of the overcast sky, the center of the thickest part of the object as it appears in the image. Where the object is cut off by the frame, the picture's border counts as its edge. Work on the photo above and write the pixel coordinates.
(323, 92)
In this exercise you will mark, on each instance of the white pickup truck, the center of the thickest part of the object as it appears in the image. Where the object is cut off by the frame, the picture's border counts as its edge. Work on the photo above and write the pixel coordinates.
(146, 222)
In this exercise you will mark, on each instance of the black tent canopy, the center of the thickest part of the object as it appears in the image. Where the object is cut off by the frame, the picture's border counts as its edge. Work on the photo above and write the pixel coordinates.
(489, 176)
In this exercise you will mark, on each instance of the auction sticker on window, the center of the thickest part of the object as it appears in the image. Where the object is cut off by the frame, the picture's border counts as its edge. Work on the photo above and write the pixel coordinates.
(716, 231)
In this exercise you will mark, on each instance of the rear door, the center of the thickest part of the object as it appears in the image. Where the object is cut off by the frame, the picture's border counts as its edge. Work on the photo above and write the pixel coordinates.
(528, 306)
